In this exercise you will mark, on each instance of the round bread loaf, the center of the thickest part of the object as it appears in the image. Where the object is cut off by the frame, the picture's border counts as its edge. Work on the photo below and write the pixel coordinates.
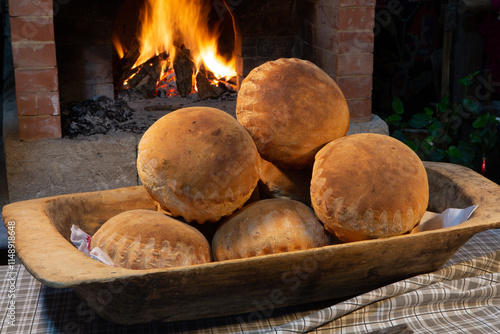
(368, 186)
(145, 239)
(198, 163)
(291, 108)
(278, 182)
(268, 226)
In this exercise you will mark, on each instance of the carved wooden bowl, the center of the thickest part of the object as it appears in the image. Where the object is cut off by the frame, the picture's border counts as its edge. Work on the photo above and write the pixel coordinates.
(236, 286)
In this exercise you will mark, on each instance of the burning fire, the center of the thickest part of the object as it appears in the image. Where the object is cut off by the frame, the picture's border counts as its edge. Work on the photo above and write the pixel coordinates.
(170, 23)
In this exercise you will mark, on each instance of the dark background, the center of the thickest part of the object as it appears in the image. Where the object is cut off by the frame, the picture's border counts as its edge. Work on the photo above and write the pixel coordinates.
(408, 59)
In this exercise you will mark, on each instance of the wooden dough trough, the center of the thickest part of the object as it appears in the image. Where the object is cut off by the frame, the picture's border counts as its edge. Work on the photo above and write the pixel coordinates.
(237, 286)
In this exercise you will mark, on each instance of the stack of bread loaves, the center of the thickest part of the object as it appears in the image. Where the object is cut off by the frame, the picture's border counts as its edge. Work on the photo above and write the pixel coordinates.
(202, 166)
(362, 186)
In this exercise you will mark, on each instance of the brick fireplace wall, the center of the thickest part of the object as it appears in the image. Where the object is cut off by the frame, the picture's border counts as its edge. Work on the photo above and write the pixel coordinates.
(35, 68)
(342, 40)
(337, 35)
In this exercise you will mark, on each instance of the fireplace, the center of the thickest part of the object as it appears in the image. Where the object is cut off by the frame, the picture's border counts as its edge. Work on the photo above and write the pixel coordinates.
(63, 49)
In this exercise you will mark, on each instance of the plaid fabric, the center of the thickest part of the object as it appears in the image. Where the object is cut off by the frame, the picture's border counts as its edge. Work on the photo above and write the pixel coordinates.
(462, 297)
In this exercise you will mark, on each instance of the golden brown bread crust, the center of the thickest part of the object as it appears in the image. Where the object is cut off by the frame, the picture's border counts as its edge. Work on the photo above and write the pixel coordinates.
(291, 108)
(198, 163)
(368, 186)
(145, 239)
(268, 226)
(278, 182)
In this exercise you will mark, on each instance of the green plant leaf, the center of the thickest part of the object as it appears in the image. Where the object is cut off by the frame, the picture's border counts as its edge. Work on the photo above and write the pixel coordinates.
(426, 148)
(435, 125)
(429, 139)
(419, 121)
(457, 132)
(481, 121)
(467, 81)
(437, 155)
(444, 104)
(397, 105)
(467, 156)
(437, 133)
(453, 152)
(471, 106)
(428, 111)
(489, 139)
(463, 81)
(440, 136)
(394, 119)
(475, 137)
(398, 134)
(411, 145)
(463, 154)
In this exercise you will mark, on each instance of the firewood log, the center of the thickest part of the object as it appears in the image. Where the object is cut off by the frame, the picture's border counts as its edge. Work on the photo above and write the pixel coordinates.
(147, 86)
(205, 89)
(123, 68)
(184, 69)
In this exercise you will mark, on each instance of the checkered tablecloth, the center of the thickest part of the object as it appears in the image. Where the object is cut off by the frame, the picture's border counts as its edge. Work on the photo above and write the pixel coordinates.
(462, 297)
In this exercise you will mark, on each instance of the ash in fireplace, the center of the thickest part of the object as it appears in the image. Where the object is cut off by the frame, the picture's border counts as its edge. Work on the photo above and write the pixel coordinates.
(98, 115)
(130, 112)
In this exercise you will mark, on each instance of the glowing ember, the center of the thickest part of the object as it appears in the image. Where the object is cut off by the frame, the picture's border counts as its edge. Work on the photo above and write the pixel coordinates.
(167, 23)
(167, 85)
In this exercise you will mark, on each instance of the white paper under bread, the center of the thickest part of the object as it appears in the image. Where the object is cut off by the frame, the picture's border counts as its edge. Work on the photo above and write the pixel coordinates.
(449, 217)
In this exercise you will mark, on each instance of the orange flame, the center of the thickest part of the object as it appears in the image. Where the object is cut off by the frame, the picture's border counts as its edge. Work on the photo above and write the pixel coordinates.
(169, 22)
(118, 47)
